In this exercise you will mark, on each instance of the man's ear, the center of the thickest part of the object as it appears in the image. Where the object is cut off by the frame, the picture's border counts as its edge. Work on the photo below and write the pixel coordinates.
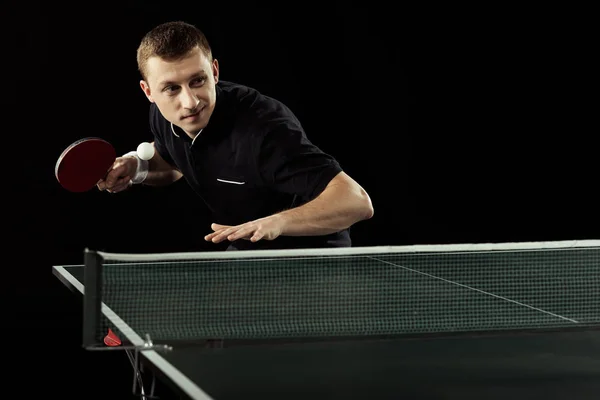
(215, 67)
(146, 89)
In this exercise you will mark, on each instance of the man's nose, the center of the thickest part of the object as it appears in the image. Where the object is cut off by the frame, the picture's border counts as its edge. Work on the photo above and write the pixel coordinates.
(189, 99)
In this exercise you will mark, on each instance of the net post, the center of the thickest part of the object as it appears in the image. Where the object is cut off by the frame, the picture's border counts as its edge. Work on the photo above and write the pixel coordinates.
(92, 297)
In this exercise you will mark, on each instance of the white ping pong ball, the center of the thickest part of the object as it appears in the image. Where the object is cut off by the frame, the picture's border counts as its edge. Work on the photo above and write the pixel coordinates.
(145, 151)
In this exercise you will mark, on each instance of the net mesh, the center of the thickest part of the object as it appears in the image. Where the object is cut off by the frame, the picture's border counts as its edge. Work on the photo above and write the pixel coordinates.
(379, 293)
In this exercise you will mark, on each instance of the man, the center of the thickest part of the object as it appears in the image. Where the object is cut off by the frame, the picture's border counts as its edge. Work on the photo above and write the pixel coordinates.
(245, 154)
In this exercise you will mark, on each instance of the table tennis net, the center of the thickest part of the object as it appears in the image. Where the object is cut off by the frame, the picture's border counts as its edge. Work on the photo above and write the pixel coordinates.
(351, 292)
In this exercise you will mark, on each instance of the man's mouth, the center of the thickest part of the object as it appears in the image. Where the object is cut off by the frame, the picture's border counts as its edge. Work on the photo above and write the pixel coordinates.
(193, 115)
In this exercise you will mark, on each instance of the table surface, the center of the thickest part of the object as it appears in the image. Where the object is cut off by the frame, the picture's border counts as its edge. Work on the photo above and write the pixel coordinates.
(548, 364)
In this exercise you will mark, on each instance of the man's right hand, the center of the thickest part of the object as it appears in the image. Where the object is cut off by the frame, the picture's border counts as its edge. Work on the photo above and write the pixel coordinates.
(119, 175)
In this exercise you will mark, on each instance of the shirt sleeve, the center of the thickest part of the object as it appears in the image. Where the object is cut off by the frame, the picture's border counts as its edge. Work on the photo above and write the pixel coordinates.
(290, 163)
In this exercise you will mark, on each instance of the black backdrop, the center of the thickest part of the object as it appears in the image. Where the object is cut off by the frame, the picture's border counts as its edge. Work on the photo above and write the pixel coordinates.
(462, 128)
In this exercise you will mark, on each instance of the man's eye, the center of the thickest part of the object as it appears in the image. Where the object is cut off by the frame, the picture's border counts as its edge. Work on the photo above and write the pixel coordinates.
(198, 81)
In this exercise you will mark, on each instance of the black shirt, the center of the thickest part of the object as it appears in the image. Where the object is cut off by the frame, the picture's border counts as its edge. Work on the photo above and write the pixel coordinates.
(252, 160)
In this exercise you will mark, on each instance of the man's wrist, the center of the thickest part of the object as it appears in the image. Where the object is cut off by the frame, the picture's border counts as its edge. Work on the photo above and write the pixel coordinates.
(141, 171)
(282, 220)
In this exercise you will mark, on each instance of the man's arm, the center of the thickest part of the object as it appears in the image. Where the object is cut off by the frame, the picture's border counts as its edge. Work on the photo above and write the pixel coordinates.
(341, 204)
(157, 172)
(160, 172)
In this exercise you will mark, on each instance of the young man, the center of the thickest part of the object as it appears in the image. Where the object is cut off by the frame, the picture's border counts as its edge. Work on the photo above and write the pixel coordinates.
(245, 154)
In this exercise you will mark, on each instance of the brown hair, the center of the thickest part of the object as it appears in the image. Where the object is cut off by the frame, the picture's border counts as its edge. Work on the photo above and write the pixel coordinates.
(171, 41)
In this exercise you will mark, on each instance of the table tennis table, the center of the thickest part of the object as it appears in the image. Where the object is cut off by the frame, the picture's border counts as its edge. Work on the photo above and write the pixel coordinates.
(463, 321)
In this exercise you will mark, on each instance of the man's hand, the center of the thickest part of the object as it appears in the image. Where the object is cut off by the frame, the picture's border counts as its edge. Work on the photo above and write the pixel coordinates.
(268, 228)
(119, 176)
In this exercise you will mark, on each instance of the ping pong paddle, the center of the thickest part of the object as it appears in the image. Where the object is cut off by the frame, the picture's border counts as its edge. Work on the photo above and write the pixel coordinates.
(84, 163)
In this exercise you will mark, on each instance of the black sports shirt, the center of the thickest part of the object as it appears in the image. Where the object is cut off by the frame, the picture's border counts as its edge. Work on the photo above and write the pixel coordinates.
(252, 160)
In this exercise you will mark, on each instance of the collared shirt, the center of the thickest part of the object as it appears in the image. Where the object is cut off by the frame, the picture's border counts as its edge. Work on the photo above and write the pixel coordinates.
(253, 159)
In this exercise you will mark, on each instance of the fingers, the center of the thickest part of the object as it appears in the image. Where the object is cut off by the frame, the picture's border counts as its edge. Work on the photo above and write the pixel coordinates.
(258, 235)
(118, 177)
(231, 233)
(220, 233)
(116, 174)
(242, 232)
(248, 231)
(121, 185)
(218, 227)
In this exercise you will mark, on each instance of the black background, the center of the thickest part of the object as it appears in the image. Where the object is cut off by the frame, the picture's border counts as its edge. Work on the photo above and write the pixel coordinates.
(464, 125)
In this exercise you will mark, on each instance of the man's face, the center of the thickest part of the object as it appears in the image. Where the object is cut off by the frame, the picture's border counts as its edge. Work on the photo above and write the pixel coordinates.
(183, 90)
